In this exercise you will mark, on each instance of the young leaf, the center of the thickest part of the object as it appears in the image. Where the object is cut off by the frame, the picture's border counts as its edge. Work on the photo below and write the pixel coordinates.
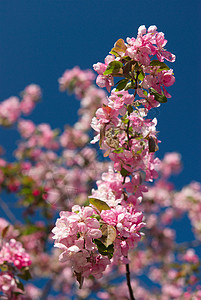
(124, 172)
(99, 204)
(130, 85)
(126, 58)
(124, 120)
(121, 84)
(157, 63)
(109, 234)
(25, 274)
(130, 109)
(152, 145)
(102, 249)
(158, 97)
(141, 76)
(119, 46)
(3, 268)
(114, 53)
(16, 294)
(4, 231)
(20, 285)
(113, 67)
(128, 67)
(119, 150)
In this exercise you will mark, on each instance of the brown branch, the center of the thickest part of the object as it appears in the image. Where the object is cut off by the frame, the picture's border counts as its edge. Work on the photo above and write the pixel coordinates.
(129, 282)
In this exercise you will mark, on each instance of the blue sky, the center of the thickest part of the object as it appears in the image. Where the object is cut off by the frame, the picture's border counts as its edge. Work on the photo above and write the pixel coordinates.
(40, 39)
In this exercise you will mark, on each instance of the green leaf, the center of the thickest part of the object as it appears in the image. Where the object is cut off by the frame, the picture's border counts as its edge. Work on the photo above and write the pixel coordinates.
(139, 151)
(30, 229)
(119, 150)
(17, 293)
(102, 249)
(158, 97)
(96, 217)
(26, 180)
(126, 58)
(141, 76)
(20, 285)
(99, 204)
(124, 119)
(25, 274)
(130, 85)
(124, 172)
(113, 67)
(26, 191)
(4, 267)
(157, 63)
(109, 235)
(121, 84)
(130, 109)
(114, 53)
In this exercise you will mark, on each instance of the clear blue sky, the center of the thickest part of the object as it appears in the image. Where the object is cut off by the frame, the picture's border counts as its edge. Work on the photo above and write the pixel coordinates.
(40, 39)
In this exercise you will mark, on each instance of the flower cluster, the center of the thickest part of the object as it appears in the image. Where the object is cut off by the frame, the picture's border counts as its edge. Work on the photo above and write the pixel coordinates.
(12, 252)
(76, 81)
(129, 138)
(75, 233)
(136, 55)
(57, 171)
(14, 262)
(127, 221)
(12, 108)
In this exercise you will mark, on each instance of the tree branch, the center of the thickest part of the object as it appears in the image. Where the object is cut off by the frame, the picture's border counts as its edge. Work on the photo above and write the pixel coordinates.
(129, 282)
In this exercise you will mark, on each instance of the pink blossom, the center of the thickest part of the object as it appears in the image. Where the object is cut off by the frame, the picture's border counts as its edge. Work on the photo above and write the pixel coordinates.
(27, 105)
(13, 252)
(76, 81)
(26, 128)
(100, 68)
(128, 223)
(109, 188)
(9, 111)
(73, 138)
(167, 77)
(46, 137)
(161, 52)
(34, 91)
(190, 256)
(104, 80)
(74, 234)
(106, 115)
(170, 164)
(31, 292)
(7, 283)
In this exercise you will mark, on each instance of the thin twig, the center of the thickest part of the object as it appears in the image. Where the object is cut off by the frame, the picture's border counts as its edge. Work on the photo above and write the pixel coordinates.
(8, 212)
(46, 289)
(194, 243)
(129, 282)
